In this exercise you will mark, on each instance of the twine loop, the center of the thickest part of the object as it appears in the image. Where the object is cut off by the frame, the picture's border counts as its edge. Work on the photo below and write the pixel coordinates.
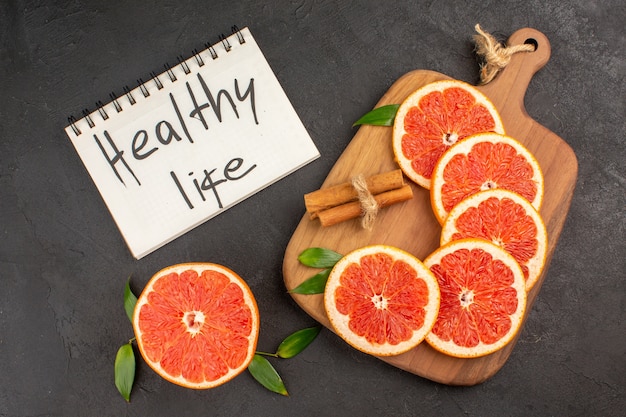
(369, 206)
(495, 55)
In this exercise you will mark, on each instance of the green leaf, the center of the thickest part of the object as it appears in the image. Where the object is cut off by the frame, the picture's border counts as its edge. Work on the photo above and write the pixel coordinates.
(125, 370)
(129, 301)
(314, 285)
(380, 116)
(263, 371)
(319, 257)
(297, 342)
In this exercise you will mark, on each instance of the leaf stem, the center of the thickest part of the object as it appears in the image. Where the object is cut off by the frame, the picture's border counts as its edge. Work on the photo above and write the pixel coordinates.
(274, 355)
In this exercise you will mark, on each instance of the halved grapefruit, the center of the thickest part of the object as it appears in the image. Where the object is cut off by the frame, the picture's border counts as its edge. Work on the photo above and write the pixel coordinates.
(435, 117)
(197, 324)
(506, 219)
(481, 162)
(381, 300)
(483, 298)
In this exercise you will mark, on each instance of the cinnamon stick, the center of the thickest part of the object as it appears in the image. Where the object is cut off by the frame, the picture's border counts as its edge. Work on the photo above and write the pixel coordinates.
(338, 195)
(352, 210)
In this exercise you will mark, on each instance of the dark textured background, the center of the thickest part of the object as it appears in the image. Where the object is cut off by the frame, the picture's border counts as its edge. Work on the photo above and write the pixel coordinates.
(64, 265)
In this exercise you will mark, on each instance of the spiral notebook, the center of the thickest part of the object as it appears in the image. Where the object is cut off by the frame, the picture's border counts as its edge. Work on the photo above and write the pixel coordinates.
(191, 142)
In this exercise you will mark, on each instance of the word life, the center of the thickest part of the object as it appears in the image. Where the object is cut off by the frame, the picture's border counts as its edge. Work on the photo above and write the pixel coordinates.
(207, 183)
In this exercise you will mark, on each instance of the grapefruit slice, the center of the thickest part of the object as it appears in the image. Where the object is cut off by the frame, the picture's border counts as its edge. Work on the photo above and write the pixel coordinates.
(435, 117)
(483, 298)
(196, 324)
(481, 162)
(381, 300)
(506, 219)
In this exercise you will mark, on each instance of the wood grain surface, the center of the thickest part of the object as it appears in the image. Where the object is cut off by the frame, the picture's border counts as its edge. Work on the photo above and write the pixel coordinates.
(413, 227)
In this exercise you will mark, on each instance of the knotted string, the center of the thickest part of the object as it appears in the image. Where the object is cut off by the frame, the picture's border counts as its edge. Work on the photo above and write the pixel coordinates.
(495, 55)
(369, 206)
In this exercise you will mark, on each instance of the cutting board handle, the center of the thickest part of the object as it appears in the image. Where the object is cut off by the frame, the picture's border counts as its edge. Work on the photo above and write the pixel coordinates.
(516, 76)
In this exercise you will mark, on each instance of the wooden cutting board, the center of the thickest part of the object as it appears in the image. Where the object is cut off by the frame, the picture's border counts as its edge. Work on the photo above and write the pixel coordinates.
(413, 227)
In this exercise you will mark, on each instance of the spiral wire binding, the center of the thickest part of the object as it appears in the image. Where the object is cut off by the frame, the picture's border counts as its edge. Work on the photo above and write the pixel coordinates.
(211, 50)
(235, 29)
(100, 107)
(87, 117)
(225, 43)
(157, 81)
(199, 59)
(116, 103)
(72, 121)
(170, 73)
(154, 77)
(183, 64)
(129, 95)
(143, 88)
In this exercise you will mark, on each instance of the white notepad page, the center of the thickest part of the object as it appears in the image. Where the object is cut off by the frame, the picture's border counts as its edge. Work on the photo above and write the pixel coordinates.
(199, 138)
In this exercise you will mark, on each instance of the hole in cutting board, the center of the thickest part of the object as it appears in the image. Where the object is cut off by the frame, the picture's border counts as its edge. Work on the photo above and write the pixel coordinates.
(532, 42)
